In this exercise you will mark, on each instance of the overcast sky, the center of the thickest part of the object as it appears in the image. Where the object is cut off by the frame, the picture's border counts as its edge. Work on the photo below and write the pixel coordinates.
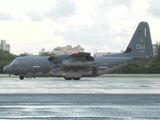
(102, 25)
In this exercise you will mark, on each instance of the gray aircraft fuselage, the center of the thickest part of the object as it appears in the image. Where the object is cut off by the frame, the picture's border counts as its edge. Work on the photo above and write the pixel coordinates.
(31, 66)
(80, 65)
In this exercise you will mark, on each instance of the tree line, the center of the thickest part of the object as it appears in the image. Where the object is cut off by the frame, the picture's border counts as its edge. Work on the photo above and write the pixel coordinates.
(5, 59)
(149, 66)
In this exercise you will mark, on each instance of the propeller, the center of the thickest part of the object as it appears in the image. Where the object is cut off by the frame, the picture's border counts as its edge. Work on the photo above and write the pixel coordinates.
(52, 60)
(57, 59)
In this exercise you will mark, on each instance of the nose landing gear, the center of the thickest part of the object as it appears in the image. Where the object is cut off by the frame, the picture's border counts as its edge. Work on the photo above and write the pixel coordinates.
(21, 77)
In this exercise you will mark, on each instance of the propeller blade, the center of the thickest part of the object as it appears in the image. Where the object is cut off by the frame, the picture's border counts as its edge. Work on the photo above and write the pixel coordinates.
(51, 58)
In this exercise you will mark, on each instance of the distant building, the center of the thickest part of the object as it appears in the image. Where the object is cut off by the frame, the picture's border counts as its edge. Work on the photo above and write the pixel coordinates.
(68, 49)
(4, 45)
(44, 52)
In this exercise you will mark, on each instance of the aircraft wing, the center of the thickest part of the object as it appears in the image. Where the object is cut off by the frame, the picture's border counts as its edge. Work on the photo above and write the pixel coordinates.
(79, 59)
(58, 58)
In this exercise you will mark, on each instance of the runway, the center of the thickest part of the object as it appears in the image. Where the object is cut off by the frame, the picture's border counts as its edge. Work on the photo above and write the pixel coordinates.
(99, 85)
(80, 106)
(104, 85)
(115, 98)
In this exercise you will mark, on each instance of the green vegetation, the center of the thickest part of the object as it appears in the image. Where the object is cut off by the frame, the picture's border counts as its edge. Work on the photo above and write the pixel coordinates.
(5, 59)
(23, 54)
(151, 66)
(46, 54)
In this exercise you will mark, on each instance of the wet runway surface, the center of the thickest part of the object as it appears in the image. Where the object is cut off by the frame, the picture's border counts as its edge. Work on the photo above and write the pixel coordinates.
(114, 98)
(101, 85)
(80, 106)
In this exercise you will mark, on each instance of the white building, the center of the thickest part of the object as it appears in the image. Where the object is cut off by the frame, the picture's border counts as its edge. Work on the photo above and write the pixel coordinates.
(43, 51)
(4, 45)
(68, 49)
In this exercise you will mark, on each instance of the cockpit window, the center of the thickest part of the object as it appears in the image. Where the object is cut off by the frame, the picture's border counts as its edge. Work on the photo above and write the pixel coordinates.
(15, 61)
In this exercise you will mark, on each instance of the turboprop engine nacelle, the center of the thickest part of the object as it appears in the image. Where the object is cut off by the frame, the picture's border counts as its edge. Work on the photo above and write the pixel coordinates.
(70, 63)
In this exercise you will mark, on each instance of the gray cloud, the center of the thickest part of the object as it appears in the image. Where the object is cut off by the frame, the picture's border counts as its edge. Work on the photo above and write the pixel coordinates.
(154, 8)
(62, 9)
(114, 3)
(5, 16)
(100, 33)
(125, 2)
(35, 16)
(97, 35)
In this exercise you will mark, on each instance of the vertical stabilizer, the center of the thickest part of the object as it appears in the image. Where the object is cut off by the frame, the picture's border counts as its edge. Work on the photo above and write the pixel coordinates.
(140, 44)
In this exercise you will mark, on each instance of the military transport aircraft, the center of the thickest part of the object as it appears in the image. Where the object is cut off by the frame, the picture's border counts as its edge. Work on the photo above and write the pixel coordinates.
(82, 64)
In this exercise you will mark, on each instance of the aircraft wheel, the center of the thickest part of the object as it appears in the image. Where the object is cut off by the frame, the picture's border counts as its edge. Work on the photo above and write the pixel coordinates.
(21, 77)
(76, 78)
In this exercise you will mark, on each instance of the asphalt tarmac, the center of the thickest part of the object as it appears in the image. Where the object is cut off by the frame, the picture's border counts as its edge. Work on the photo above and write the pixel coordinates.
(115, 98)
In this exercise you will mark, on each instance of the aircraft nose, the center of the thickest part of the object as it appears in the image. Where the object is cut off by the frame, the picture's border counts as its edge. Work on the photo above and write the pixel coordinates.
(6, 69)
